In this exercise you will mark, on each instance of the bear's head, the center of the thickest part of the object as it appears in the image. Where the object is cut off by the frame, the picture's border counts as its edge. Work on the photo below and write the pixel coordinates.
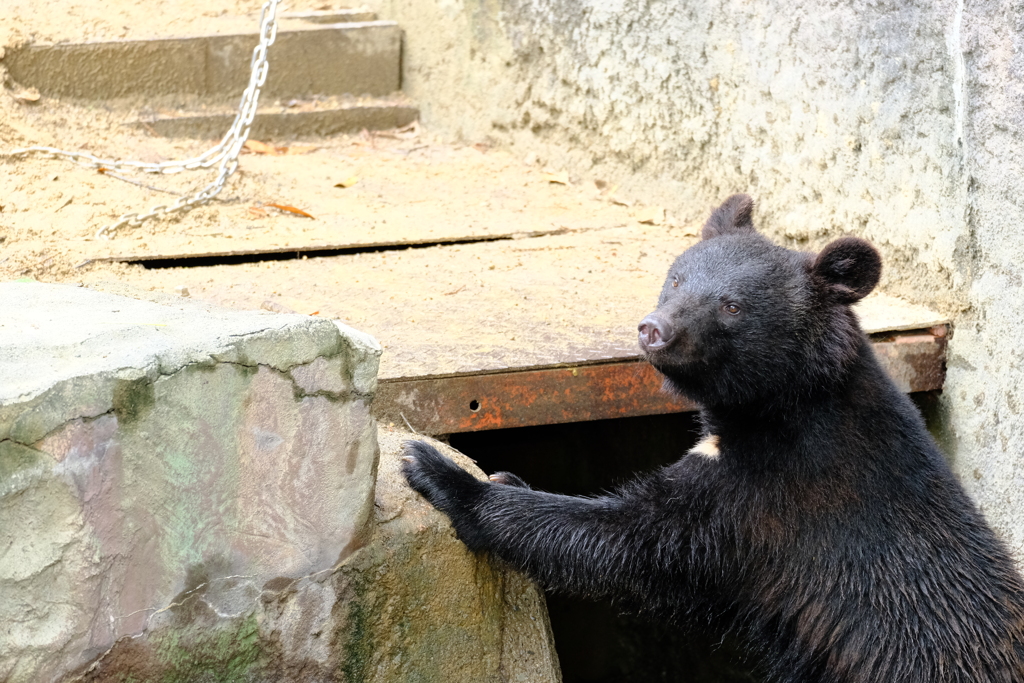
(741, 321)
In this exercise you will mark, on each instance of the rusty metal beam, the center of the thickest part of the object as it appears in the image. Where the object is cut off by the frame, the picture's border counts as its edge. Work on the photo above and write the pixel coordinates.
(519, 399)
(915, 360)
(598, 391)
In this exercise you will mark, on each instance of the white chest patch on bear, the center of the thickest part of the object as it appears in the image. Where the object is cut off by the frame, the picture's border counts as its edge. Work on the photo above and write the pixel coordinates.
(707, 447)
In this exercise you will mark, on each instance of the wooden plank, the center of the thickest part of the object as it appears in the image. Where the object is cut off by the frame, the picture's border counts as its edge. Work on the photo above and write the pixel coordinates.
(397, 198)
(303, 120)
(486, 307)
(881, 313)
(576, 393)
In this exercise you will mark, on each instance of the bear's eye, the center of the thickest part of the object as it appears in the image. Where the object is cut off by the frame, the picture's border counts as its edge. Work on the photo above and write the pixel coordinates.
(731, 309)
(675, 281)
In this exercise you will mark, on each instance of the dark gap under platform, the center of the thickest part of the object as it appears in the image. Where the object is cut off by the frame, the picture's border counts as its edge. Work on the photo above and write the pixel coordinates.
(288, 254)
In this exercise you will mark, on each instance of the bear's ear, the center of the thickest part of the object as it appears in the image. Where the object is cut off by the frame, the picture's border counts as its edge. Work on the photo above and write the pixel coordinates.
(733, 217)
(849, 267)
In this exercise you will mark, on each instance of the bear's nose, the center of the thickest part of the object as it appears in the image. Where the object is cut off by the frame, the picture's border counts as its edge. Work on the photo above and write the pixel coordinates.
(655, 332)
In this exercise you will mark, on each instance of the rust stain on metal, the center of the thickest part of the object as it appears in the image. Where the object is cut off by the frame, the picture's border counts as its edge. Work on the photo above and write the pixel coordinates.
(525, 398)
(598, 391)
(916, 361)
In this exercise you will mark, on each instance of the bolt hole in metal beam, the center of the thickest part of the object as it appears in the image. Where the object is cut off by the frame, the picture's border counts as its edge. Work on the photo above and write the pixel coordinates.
(625, 387)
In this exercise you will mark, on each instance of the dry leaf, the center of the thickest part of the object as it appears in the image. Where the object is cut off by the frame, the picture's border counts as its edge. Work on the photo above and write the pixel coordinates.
(27, 95)
(608, 190)
(348, 182)
(560, 178)
(408, 132)
(651, 215)
(290, 209)
(300, 149)
(258, 212)
(257, 147)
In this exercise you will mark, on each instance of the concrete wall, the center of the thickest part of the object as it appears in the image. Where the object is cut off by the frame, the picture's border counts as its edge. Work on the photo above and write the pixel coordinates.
(897, 120)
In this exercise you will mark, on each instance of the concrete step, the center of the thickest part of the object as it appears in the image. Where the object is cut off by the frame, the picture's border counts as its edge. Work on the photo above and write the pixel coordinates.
(308, 58)
(284, 119)
(330, 16)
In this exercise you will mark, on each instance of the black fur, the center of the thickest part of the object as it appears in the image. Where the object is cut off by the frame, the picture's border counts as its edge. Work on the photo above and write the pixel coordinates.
(828, 530)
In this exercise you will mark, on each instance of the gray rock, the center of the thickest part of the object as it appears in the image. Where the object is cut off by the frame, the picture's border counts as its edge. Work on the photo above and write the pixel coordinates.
(412, 604)
(189, 493)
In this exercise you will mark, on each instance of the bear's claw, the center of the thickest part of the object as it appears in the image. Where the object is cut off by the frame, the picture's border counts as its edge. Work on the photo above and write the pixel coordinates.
(508, 479)
(435, 477)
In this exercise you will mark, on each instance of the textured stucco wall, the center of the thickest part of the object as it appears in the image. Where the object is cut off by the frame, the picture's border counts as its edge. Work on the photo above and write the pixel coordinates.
(984, 399)
(899, 121)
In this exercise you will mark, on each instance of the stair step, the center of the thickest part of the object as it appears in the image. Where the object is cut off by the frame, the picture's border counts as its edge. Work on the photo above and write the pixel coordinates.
(320, 117)
(331, 16)
(361, 58)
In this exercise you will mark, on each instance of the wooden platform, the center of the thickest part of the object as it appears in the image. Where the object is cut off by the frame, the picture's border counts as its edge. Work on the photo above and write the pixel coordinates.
(504, 295)
(519, 332)
(910, 342)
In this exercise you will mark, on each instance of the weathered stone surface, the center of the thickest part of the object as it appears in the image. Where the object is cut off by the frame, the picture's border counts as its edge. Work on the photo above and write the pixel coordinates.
(188, 494)
(411, 605)
(149, 453)
(432, 610)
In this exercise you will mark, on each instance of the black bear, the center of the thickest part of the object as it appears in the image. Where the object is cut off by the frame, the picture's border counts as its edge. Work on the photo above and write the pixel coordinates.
(816, 517)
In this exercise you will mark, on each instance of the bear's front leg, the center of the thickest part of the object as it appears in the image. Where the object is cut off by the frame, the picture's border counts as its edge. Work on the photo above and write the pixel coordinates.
(618, 545)
(447, 487)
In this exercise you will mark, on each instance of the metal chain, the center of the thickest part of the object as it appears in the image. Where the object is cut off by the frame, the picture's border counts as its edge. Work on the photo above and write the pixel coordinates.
(224, 153)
